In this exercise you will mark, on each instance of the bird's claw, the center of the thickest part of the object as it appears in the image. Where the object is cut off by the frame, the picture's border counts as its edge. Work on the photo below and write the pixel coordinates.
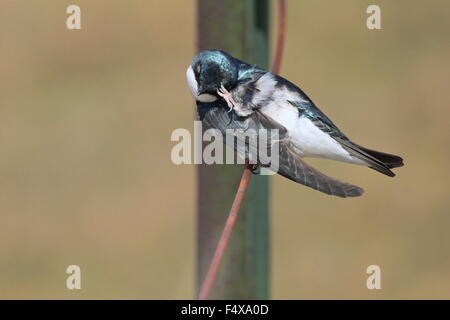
(256, 169)
(226, 95)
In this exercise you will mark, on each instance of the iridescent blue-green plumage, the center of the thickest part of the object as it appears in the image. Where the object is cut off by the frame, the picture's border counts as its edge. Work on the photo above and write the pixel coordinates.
(214, 67)
(247, 72)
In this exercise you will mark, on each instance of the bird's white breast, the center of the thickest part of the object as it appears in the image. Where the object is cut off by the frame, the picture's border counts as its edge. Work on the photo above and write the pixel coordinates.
(308, 139)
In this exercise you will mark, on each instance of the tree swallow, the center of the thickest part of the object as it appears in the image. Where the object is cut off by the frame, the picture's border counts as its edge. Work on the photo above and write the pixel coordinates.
(232, 94)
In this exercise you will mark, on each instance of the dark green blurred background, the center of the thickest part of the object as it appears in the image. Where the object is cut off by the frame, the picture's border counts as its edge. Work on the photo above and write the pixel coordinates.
(85, 171)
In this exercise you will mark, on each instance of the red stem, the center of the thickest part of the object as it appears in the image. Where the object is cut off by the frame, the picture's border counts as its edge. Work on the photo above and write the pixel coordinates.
(281, 36)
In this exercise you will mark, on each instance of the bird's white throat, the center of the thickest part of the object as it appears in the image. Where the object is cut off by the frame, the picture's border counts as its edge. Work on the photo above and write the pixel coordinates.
(193, 86)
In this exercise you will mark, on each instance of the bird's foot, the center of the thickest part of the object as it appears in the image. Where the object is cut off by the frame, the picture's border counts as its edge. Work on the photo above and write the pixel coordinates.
(226, 95)
(256, 169)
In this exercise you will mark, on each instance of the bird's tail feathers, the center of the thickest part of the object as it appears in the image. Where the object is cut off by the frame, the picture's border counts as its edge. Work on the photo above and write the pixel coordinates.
(379, 161)
(390, 160)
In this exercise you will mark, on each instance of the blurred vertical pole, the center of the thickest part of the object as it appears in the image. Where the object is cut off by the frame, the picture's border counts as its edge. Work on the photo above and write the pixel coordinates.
(239, 27)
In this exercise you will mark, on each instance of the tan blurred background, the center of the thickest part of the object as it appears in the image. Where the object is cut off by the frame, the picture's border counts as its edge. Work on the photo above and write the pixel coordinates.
(85, 170)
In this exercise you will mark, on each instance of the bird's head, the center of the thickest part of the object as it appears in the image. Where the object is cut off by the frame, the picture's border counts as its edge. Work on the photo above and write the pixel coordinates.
(208, 71)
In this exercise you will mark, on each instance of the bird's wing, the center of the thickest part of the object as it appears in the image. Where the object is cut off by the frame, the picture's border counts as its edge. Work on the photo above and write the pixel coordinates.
(290, 165)
(376, 160)
(306, 107)
(294, 168)
(257, 88)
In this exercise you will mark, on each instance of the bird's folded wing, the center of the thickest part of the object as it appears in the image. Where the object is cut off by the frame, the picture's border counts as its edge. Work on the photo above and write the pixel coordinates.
(294, 168)
(290, 165)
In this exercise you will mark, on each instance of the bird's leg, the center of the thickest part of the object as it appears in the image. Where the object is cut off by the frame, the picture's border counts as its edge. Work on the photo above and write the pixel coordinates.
(226, 95)
(256, 169)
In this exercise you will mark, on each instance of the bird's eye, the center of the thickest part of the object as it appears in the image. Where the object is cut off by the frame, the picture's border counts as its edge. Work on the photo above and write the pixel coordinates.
(198, 69)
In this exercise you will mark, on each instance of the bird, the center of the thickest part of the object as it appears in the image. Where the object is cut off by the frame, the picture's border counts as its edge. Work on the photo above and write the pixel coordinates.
(232, 94)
